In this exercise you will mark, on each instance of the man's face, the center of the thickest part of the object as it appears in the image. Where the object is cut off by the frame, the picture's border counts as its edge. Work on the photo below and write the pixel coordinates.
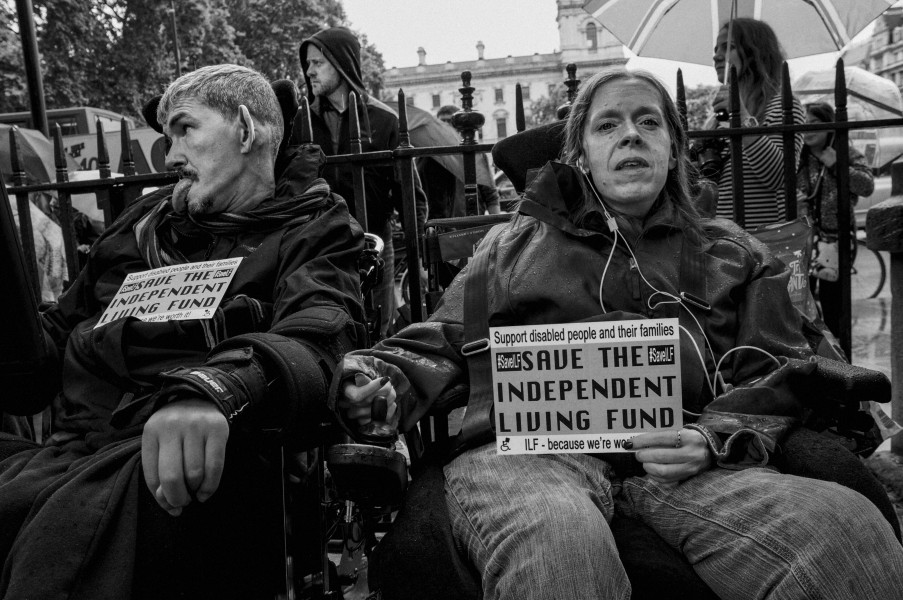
(324, 79)
(206, 150)
(627, 145)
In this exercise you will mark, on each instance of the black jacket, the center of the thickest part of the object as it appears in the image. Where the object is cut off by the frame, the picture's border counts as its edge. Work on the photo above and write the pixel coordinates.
(300, 282)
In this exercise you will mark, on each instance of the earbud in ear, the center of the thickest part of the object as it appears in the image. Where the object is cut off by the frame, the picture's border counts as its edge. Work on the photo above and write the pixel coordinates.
(582, 167)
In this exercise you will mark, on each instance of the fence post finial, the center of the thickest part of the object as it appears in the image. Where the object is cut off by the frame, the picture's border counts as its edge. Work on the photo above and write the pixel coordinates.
(572, 83)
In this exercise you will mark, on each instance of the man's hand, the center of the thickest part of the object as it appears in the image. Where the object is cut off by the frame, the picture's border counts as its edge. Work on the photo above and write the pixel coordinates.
(669, 458)
(183, 450)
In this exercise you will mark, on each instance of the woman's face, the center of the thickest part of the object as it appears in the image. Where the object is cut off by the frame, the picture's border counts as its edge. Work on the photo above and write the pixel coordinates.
(721, 56)
(627, 146)
(815, 139)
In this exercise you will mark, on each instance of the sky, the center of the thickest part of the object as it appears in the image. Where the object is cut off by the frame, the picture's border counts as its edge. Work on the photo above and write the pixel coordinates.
(450, 29)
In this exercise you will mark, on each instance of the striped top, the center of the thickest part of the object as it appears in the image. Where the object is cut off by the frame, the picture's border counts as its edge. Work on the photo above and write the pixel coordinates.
(763, 171)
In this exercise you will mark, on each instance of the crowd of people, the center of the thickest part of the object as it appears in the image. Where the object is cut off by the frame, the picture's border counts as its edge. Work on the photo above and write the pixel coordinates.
(152, 479)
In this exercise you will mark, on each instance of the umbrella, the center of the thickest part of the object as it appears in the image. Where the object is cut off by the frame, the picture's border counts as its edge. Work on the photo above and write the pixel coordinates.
(426, 131)
(35, 156)
(869, 97)
(686, 30)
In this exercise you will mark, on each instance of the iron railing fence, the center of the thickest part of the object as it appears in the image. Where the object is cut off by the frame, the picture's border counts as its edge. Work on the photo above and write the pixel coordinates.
(115, 193)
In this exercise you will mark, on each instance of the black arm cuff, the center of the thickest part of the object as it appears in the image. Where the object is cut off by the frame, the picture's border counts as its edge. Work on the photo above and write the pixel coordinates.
(231, 380)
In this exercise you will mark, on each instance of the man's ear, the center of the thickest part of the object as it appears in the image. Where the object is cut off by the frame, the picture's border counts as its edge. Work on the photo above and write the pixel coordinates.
(247, 129)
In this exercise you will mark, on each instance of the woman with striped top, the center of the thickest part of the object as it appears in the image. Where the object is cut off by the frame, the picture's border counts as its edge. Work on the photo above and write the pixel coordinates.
(757, 56)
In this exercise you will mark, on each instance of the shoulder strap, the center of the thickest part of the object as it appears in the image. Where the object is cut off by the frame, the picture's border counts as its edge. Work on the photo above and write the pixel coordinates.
(478, 427)
(692, 283)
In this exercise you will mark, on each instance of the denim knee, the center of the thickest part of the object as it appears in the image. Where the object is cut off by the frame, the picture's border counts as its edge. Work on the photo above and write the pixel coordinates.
(536, 527)
(761, 534)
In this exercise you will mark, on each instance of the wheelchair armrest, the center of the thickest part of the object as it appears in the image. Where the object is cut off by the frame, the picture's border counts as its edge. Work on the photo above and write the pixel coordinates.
(371, 476)
(847, 384)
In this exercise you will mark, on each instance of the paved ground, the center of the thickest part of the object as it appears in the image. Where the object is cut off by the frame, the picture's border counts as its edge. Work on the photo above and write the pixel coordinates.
(871, 348)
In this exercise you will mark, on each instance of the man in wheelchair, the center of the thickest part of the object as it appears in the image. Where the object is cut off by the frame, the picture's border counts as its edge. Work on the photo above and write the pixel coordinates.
(151, 485)
(611, 234)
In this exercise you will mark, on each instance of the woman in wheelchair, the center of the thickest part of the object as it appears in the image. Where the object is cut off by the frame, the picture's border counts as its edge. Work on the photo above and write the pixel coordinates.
(610, 233)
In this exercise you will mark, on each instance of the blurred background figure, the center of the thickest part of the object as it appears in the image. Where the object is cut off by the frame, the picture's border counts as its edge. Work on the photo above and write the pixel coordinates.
(444, 190)
(754, 51)
(816, 185)
(48, 246)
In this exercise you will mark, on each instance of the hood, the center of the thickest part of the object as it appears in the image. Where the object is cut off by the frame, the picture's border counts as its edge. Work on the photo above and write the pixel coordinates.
(303, 167)
(555, 195)
(343, 50)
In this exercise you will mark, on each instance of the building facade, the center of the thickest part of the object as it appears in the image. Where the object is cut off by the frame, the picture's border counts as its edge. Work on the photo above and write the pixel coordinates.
(884, 55)
(583, 40)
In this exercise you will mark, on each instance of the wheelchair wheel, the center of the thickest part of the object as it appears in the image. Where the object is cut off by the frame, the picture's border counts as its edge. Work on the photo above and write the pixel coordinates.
(869, 272)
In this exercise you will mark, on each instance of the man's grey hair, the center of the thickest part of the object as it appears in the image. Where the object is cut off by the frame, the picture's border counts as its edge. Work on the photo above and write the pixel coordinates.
(224, 88)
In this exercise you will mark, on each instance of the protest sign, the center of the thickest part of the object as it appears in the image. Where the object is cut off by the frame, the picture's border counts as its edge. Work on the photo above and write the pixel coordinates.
(584, 387)
(173, 293)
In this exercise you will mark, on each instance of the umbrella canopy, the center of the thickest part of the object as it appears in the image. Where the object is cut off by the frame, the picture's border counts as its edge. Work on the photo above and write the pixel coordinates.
(869, 97)
(686, 30)
(35, 156)
(426, 130)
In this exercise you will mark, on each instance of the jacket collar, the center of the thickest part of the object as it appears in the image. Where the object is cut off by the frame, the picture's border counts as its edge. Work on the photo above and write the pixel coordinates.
(556, 194)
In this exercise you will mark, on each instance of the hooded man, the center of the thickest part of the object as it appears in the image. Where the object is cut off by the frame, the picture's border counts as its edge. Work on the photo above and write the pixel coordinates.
(331, 62)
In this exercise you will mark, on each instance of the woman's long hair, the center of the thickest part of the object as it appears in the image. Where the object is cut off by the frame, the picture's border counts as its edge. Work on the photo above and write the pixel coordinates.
(677, 186)
(762, 58)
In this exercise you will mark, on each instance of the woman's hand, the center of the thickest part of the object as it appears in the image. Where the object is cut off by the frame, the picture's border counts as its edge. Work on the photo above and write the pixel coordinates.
(828, 156)
(721, 102)
(671, 456)
(370, 403)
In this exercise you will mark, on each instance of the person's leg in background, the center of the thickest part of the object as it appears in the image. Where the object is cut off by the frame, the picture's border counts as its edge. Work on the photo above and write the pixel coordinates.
(829, 298)
(536, 526)
(757, 533)
(384, 295)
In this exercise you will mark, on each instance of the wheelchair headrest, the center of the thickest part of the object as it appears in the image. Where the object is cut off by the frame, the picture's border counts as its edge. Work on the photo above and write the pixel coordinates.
(530, 149)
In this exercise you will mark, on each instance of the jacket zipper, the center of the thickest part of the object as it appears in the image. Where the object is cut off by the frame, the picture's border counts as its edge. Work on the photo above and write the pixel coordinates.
(635, 279)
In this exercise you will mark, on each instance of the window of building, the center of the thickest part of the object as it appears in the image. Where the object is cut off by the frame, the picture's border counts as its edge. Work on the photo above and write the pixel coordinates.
(501, 126)
(525, 92)
(437, 101)
(592, 41)
(499, 95)
(69, 125)
(409, 100)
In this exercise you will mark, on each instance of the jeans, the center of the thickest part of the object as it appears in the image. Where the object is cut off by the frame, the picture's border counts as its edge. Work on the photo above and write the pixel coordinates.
(536, 526)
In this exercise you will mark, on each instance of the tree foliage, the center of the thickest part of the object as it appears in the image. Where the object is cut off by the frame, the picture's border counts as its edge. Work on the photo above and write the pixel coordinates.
(545, 109)
(116, 54)
(14, 96)
(699, 100)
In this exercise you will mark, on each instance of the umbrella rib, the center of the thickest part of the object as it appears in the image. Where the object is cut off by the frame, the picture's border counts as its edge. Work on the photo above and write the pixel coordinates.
(653, 16)
(877, 103)
(855, 94)
(828, 15)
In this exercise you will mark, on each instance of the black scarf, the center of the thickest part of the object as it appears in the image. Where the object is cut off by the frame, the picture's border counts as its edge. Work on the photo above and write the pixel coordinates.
(153, 230)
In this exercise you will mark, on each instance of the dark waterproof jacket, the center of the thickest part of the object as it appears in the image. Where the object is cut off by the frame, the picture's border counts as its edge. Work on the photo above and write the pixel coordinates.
(379, 131)
(545, 269)
(293, 306)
